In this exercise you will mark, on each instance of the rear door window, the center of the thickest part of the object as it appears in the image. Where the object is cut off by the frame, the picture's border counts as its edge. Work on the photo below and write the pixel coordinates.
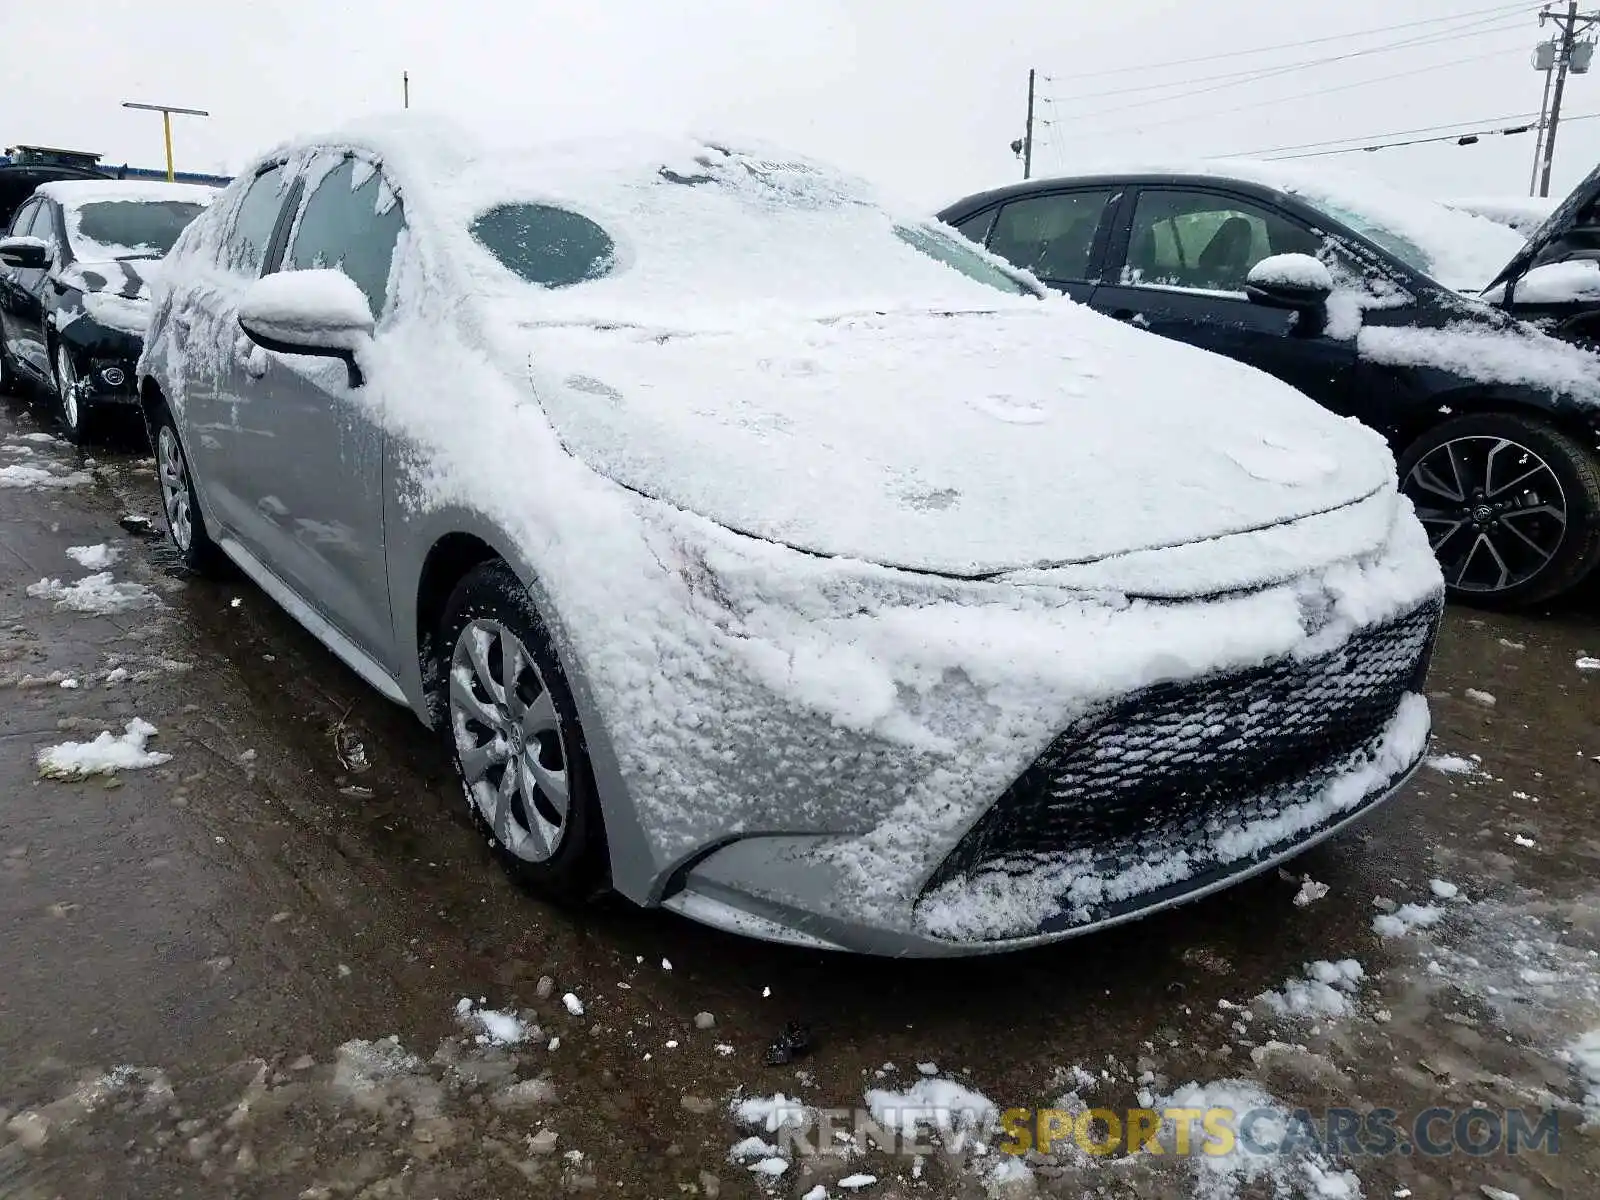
(1052, 236)
(245, 247)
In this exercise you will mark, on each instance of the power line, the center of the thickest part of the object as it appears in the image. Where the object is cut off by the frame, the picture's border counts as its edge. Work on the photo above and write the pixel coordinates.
(1320, 92)
(1295, 45)
(1238, 78)
(1363, 137)
(1459, 137)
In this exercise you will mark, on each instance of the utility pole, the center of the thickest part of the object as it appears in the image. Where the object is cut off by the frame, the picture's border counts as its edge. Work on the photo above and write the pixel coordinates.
(166, 111)
(1570, 53)
(405, 85)
(1544, 116)
(1027, 136)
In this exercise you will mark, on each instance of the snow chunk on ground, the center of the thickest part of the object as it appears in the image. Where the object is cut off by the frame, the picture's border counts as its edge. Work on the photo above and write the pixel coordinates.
(1585, 1054)
(1300, 1169)
(751, 1147)
(1325, 991)
(771, 1113)
(942, 1105)
(1443, 889)
(1310, 892)
(770, 1167)
(1479, 697)
(106, 754)
(93, 558)
(1452, 764)
(38, 477)
(852, 1182)
(1406, 918)
(97, 594)
(1588, 664)
(494, 1028)
(574, 1005)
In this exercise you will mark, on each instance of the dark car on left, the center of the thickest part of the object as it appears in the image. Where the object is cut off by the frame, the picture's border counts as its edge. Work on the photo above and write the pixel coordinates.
(75, 272)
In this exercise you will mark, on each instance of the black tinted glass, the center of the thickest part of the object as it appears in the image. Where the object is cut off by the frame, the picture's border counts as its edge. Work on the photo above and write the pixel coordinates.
(1052, 236)
(133, 227)
(549, 246)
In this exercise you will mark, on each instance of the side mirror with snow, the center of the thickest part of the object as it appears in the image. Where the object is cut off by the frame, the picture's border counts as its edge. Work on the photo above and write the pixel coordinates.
(1294, 281)
(25, 253)
(319, 312)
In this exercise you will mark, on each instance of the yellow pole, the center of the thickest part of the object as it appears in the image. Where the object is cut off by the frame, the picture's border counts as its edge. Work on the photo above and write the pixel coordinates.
(166, 129)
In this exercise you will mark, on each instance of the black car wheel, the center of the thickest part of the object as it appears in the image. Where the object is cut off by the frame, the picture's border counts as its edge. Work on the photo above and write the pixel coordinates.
(77, 415)
(179, 502)
(512, 730)
(1511, 506)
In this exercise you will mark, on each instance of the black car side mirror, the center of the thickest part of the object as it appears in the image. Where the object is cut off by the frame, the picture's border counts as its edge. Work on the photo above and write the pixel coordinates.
(1292, 281)
(25, 253)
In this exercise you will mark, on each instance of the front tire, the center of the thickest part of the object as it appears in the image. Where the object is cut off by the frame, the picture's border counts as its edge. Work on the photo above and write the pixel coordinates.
(180, 504)
(512, 731)
(77, 414)
(1511, 506)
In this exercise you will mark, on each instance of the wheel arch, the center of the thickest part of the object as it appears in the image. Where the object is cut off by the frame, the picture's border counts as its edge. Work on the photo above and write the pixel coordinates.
(1473, 399)
(428, 559)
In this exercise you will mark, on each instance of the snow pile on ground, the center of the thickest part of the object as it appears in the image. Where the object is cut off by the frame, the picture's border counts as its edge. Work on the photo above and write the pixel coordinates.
(107, 753)
(23, 476)
(1259, 1157)
(1326, 990)
(1588, 664)
(492, 1027)
(98, 594)
(1310, 892)
(93, 558)
(1585, 1054)
(941, 1106)
(1453, 764)
(1405, 919)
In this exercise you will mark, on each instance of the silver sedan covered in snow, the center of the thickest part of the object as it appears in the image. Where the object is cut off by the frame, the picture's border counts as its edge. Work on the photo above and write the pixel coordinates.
(764, 552)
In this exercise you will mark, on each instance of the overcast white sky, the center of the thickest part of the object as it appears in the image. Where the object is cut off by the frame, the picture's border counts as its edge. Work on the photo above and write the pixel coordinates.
(923, 95)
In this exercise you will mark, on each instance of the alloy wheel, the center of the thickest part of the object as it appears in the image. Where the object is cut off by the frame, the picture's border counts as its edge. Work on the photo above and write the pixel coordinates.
(509, 740)
(174, 477)
(1494, 510)
(67, 386)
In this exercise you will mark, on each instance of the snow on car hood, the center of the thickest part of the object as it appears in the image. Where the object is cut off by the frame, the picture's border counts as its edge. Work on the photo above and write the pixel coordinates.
(959, 443)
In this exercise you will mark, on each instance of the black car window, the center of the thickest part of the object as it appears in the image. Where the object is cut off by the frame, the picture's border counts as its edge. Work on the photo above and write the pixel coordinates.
(976, 228)
(23, 221)
(1051, 236)
(545, 245)
(245, 247)
(44, 226)
(342, 226)
(1206, 240)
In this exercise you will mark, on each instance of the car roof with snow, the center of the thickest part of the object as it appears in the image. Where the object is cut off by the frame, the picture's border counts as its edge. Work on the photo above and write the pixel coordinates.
(1463, 251)
(72, 192)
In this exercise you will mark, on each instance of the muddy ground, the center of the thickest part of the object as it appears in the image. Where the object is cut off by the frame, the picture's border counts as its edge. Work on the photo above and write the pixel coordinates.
(202, 963)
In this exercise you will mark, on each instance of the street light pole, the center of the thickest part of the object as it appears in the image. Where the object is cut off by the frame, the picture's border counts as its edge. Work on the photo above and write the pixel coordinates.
(166, 111)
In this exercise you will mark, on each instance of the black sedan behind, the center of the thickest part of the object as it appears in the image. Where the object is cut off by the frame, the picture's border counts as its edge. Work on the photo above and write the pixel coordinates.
(1366, 300)
(74, 288)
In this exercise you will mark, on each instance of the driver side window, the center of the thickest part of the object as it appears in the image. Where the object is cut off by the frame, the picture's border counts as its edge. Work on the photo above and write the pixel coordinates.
(351, 221)
(1206, 241)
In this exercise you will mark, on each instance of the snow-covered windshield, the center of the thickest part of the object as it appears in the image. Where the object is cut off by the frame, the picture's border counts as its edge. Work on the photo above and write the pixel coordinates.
(110, 229)
(716, 229)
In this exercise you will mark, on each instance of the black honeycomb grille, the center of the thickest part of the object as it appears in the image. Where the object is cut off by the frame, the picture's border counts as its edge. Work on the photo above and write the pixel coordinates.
(1178, 762)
